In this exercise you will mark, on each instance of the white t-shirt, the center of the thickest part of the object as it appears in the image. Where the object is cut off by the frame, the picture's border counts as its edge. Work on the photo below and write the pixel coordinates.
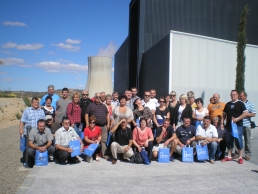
(151, 105)
(202, 113)
(211, 132)
(180, 110)
(155, 100)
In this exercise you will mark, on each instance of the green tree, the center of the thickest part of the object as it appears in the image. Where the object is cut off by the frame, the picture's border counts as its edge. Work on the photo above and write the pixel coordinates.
(241, 44)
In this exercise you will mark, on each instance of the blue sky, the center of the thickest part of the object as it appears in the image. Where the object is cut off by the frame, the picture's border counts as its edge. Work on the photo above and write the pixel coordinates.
(48, 42)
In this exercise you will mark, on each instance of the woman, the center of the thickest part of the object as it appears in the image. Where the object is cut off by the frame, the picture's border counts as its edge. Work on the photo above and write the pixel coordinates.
(73, 112)
(221, 137)
(142, 112)
(173, 109)
(143, 137)
(92, 135)
(122, 111)
(48, 109)
(184, 110)
(161, 112)
(110, 108)
(200, 111)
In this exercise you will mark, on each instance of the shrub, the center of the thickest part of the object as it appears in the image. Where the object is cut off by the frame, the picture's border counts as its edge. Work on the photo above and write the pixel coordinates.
(26, 101)
(18, 116)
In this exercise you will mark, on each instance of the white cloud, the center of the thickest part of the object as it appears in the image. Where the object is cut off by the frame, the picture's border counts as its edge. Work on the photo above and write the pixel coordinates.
(109, 51)
(7, 79)
(13, 61)
(70, 41)
(7, 23)
(53, 66)
(34, 46)
(7, 52)
(25, 66)
(51, 53)
(67, 47)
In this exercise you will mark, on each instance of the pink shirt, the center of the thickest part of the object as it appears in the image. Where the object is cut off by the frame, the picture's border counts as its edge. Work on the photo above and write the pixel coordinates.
(140, 137)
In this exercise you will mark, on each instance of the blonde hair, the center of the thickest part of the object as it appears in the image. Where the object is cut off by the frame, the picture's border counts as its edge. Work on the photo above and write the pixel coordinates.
(184, 97)
(75, 95)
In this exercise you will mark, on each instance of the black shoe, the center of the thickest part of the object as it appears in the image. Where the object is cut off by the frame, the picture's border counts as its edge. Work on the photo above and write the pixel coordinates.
(74, 160)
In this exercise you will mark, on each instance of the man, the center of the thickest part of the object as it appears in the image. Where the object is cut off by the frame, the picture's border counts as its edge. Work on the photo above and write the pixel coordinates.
(134, 93)
(40, 139)
(165, 137)
(115, 100)
(123, 141)
(207, 134)
(55, 97)
(152, 97)
(61, 105)
(191, 99)
(31, 115)
(51, 124)
(235, 111)
(129, 102)
(216, 109)
(146, 102)
(186, 135)
(100, 111)
(63, 136)
(247, 123)
(103, 97)
(84, 103)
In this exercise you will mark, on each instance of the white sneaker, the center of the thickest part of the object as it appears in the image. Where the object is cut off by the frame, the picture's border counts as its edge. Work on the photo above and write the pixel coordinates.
(89, 159)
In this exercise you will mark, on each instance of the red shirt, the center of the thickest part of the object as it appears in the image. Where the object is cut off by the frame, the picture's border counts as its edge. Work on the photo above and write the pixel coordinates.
(92, 134)
(73, 112)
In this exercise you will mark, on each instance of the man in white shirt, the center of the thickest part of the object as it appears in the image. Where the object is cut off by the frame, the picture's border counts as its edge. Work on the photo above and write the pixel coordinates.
(146, 102)
(153, 99)
(207, 134)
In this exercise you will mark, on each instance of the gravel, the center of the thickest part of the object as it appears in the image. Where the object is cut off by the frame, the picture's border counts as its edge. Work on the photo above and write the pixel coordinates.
(11, 177)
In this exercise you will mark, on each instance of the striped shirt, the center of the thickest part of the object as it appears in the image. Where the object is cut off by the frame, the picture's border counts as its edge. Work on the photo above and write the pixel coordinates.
(100, 111)
(31, 116)
(250, 108)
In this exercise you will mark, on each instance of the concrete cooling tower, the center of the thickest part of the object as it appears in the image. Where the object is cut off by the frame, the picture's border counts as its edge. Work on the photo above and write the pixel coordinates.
(99, 75)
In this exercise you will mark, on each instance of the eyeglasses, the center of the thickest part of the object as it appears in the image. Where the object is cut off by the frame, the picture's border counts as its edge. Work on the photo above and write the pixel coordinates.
(92, 123)
(97, 97)
(147, 95)
(161, 101)
(172, 95)
(85, 94)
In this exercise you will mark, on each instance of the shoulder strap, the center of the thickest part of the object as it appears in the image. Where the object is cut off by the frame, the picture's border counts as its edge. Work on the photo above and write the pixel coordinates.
(72, 109)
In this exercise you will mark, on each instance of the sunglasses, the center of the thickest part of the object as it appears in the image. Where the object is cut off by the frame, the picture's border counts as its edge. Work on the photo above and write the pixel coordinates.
(85, 94)
(173, 95)
(97, 97)
(92, 123)
(147, 95)
(161, 101)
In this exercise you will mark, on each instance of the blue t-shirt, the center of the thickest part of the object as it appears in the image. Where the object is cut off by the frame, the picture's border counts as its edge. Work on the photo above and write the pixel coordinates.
(55, 98)
(183, 134)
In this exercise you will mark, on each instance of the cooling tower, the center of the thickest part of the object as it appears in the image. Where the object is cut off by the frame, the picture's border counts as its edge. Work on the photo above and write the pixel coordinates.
(99, 75)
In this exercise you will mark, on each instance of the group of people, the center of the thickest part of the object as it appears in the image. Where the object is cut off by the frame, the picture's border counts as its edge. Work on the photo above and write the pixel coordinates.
(137, 124)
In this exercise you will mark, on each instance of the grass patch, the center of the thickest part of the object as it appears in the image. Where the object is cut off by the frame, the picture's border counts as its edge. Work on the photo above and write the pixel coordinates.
(18, 116)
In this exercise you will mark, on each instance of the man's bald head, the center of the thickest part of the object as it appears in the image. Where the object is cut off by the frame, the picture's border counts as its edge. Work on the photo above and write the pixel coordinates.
(216, 98)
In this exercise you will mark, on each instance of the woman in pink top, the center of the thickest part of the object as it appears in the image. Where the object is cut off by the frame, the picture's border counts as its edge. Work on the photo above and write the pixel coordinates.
(143, 137)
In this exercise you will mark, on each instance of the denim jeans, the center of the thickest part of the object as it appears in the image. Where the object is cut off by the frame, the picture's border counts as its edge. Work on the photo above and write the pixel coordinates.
(76, 127)
(212, 148)
(230, 139)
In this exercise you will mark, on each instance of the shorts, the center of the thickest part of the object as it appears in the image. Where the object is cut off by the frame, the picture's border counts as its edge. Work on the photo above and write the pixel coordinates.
(161, 145)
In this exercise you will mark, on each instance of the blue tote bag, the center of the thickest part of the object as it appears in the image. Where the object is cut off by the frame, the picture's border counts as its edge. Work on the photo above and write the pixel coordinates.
(22, 143)
(234, 130)
(91, 149)
(109, 138)
(187, 154)
(81, 135)
(144, 156)
(41, 158)
(163, 156)
(76, 147)
(197, 123)
(160, 121)
(202, 152)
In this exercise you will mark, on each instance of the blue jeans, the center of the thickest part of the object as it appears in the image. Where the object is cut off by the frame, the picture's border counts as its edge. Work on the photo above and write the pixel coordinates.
(212, 147)
(230, 139)
(76, 127)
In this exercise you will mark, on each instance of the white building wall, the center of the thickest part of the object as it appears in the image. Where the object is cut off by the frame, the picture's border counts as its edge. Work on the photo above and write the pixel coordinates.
(207, 65)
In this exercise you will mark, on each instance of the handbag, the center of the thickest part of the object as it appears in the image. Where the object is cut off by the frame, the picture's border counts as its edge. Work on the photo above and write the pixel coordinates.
(187, 154)
(234, 130)
(253, 125)
(144, 156)
(109, 138)
(136, 158)
(22, 143)
(89, 151)
(163, 156)
(41, 158)
(202, 152)
(75, 146)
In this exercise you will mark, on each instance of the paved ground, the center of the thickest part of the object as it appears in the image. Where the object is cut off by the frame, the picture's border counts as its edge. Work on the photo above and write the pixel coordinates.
(177, 177)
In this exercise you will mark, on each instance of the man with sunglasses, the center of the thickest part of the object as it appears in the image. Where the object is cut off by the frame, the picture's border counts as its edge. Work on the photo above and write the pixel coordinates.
(84, 103)
(146, 102)
(101, 113)
(152, 97)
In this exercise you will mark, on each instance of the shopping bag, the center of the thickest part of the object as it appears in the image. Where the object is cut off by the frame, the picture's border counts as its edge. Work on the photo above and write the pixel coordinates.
(109, 138)
(163, 156)
(91, 149)
(160, 121)
(137, 122)
(81, 135)
(234, 130)
(197, 123)
(187, 154)
(76, 147)
(41, 158)
(144, 156)
(202, 152)
(22, 143)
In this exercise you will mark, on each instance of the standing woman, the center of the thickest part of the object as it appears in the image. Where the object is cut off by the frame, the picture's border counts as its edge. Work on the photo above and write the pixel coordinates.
(48, 109)
(73, 112)
(173, 109)
(199, 112)
(141, 111)
(122, 111)
(161, 112)
(110, 108)
(184, 110)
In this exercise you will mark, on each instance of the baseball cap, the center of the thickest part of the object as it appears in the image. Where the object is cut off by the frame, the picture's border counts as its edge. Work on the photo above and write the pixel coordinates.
(47, 117)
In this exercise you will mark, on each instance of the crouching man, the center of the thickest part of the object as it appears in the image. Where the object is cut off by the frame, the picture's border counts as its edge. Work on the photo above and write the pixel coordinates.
(63, 136)
(123, 141)
(40, 139)
(207, 134)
